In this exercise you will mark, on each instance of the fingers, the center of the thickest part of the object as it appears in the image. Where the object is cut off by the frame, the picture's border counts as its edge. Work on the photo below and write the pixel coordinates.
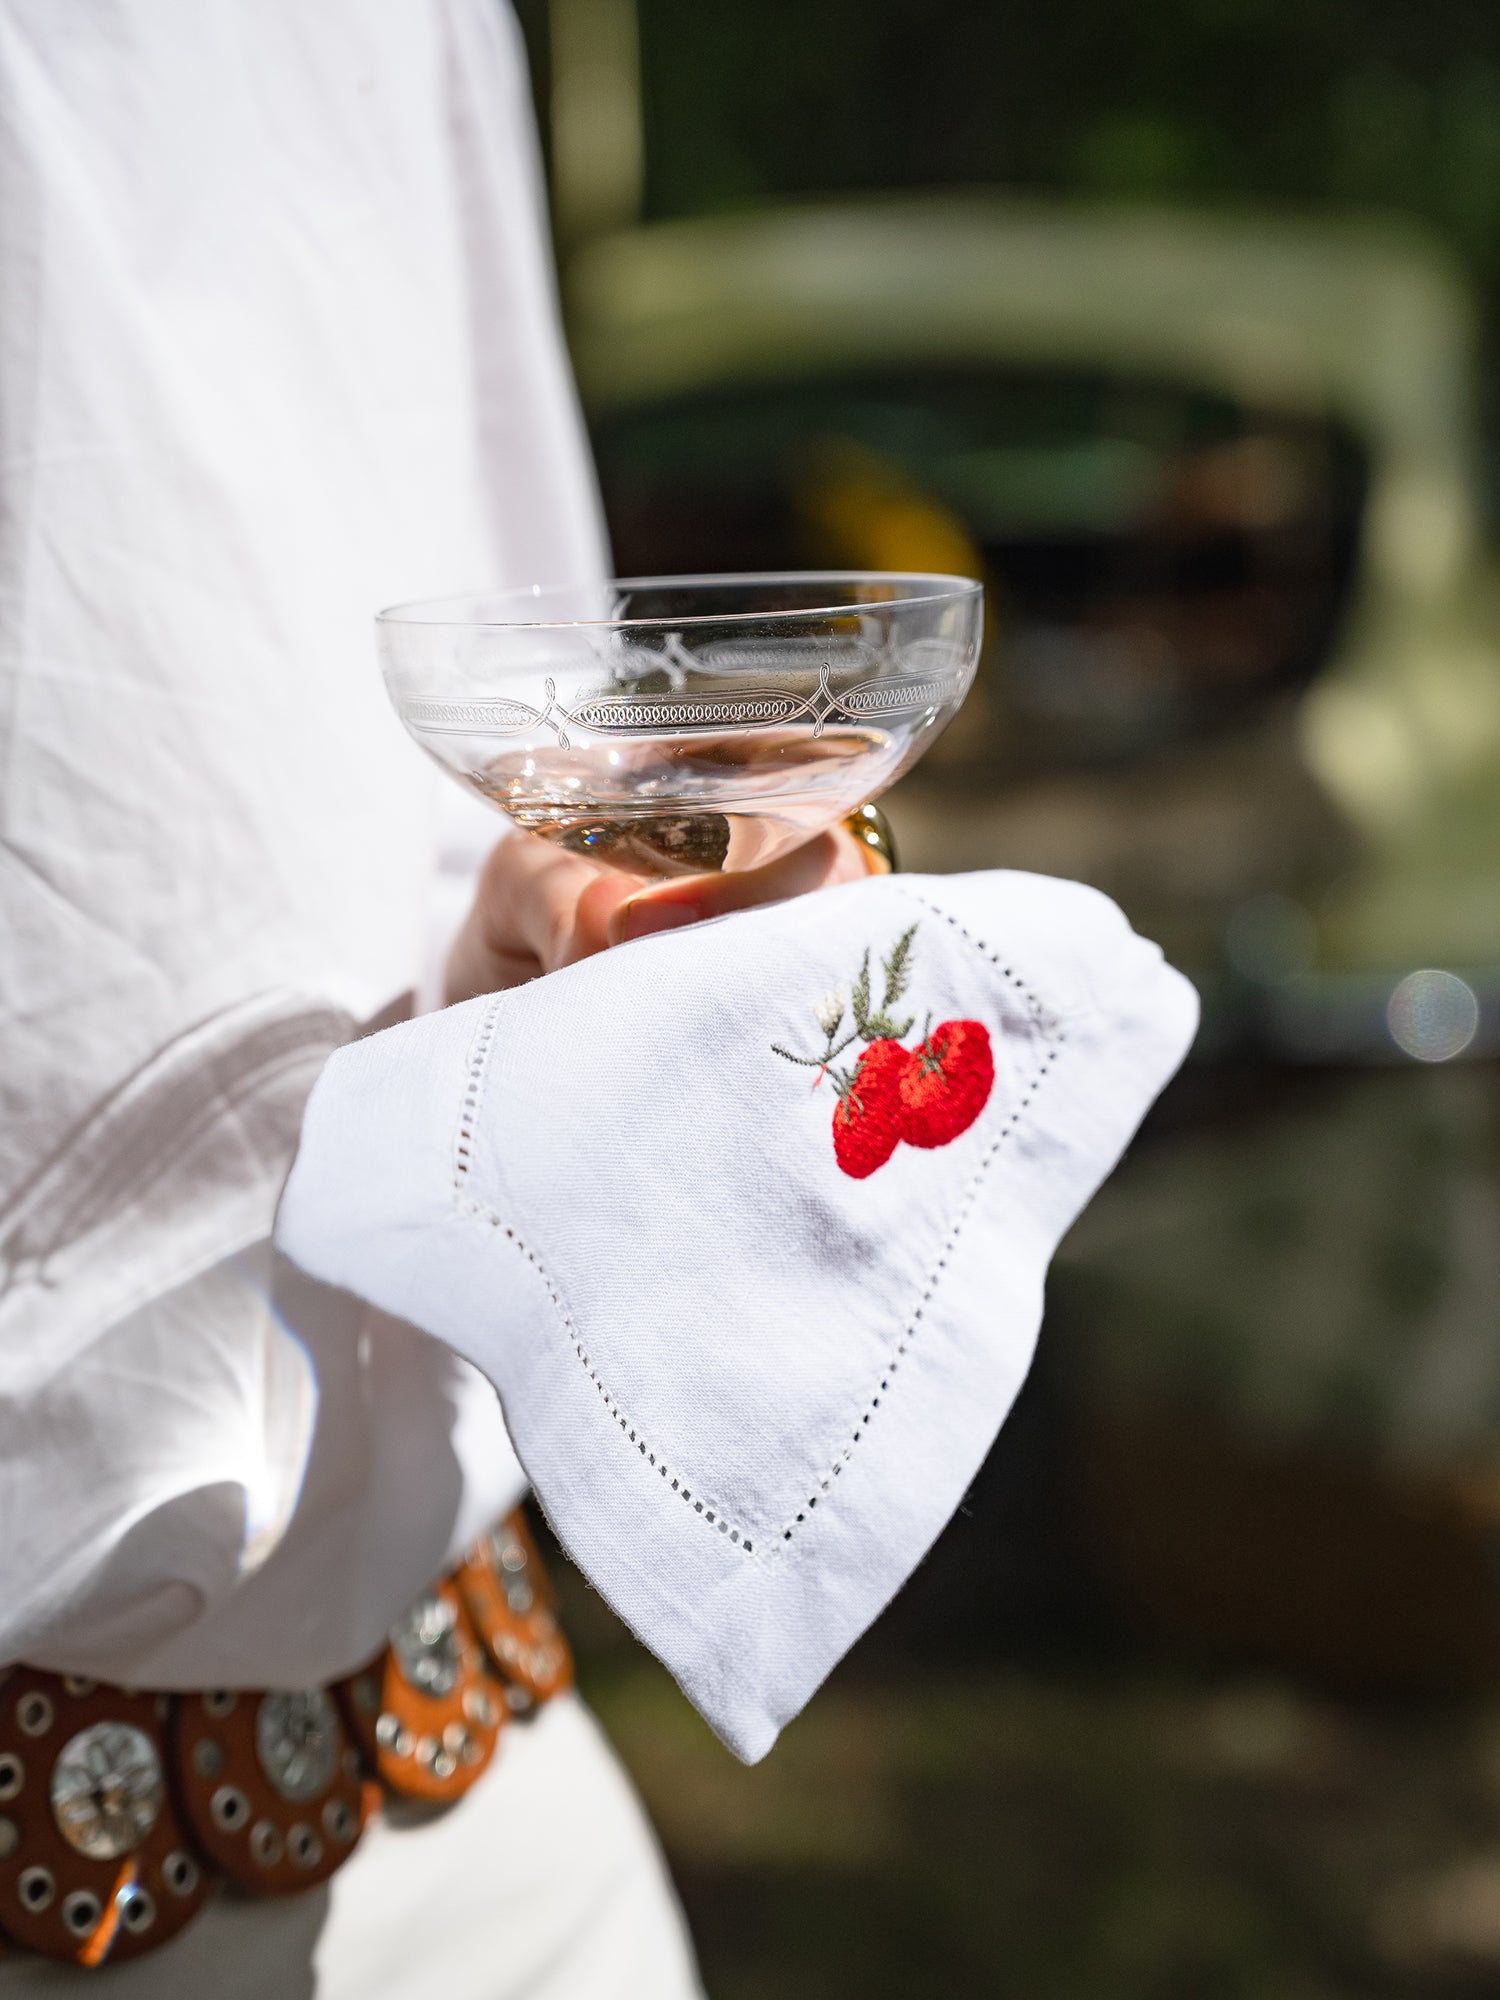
(594, 913)
(530, 893)
(828, 859)
(535, 908)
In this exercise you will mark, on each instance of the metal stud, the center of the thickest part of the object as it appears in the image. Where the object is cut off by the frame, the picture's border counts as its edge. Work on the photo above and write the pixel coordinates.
(427, 1749)
(34, 1713)
(12, 1775)
(208, 1758)
(304, 1846)
(425, 1643)
(220, 1702)
(339, 1822)
(266, 1844)
(107, 1790)
(443, 1766)
(10, 1838)
(297, 1741)
(387, 1728)
(180, 1873)
(477, 1707)
(36, 1888)
(81, 1911)
(455, 1736)
(401, 1742)
(76, 1685)
(230, 1808)
(137, 1907)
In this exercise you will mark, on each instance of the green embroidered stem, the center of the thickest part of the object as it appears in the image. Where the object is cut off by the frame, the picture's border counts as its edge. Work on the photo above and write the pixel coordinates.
(859, 998)
(931, 1054)
(813, 1062)
(897, 968)
(868, 1026)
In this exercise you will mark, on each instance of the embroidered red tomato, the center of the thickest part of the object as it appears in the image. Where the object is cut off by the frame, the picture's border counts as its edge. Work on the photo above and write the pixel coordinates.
(867, 1119)
(926, 1095)
(946, 1083)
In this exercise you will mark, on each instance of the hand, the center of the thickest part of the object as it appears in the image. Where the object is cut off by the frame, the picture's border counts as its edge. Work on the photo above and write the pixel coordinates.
(537, 907)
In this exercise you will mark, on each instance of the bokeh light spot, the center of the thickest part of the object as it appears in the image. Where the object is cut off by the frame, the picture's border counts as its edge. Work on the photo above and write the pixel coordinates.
(1433, 1015)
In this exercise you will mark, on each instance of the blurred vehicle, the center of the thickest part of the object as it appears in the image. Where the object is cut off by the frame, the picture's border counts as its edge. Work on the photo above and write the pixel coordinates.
(1243, 673)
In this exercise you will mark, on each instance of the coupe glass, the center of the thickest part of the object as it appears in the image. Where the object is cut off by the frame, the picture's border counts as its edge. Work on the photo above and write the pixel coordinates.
(674, 725)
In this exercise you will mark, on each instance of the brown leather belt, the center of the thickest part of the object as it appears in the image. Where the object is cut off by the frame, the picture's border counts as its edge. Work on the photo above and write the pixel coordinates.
(121, 1811)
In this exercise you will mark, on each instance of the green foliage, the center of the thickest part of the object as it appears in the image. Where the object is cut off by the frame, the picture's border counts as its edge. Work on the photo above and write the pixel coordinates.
(1288, 102)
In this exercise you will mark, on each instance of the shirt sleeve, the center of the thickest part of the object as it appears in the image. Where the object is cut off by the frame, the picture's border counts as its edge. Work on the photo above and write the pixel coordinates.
(279, 345)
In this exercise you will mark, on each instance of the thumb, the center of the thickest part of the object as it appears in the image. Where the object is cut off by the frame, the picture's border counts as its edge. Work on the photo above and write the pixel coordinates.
(829, 858)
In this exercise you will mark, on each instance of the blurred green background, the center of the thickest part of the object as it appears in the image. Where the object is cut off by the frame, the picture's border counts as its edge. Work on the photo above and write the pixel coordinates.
(1355, 104)
(1179, 327)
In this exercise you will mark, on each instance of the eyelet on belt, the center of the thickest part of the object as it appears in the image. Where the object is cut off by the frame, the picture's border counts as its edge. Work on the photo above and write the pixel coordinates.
(88, 1826)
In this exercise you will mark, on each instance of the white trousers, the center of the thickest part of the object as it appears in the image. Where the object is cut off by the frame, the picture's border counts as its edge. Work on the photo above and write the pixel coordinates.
(543, 1883)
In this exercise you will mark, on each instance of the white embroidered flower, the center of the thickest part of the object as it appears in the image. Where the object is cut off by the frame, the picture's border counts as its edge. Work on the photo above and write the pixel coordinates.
(829, 1012)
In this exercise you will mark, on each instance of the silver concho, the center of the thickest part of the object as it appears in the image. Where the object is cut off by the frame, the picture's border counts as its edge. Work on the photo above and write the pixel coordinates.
(297, 1741)
(107, 1790)
(426, 1645)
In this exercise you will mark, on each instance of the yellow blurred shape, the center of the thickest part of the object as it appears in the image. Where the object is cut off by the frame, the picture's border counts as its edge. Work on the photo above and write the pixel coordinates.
(869, 515)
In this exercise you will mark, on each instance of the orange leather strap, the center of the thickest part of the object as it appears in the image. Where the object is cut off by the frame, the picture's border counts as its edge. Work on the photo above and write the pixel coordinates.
(426, 1714)
(120, 1811)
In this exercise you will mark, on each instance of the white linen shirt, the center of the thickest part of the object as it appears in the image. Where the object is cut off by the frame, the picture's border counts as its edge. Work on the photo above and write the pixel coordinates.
(278, 346)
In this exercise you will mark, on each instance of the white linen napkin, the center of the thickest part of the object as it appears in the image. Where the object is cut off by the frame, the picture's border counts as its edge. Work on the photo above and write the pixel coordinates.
(748, 1224)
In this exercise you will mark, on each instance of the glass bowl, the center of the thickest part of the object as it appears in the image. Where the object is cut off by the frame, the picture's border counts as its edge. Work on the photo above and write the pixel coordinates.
(673, 725)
